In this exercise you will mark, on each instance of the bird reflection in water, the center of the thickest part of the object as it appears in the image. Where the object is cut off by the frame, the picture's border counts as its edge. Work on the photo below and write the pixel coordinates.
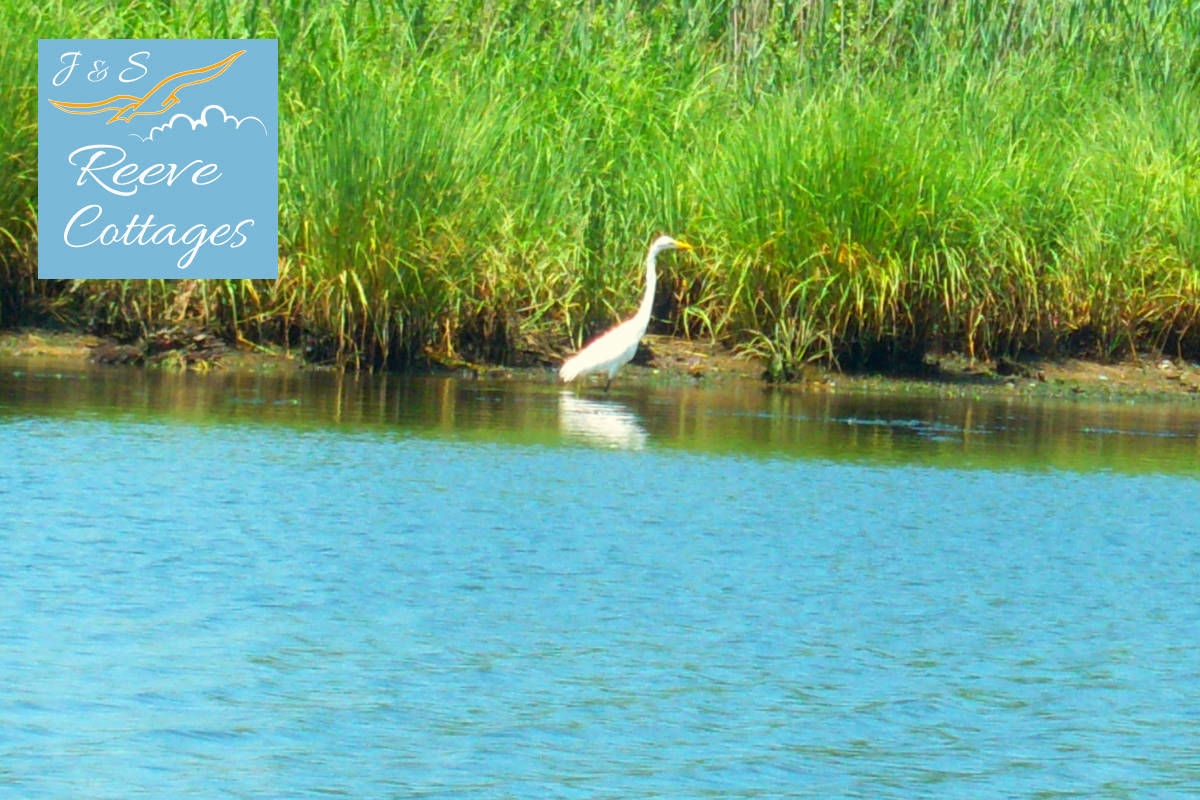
(607, 423)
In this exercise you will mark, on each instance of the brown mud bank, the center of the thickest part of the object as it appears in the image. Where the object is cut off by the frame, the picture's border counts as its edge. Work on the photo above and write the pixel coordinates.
(660, 360)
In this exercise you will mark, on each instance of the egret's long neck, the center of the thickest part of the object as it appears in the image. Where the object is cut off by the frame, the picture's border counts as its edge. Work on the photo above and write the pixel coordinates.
(643, 312)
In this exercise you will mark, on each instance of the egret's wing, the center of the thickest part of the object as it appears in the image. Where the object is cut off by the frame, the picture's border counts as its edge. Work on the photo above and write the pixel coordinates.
(601, 352)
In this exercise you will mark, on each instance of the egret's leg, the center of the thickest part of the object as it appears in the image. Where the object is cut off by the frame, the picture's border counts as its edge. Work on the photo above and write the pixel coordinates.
(607, 384)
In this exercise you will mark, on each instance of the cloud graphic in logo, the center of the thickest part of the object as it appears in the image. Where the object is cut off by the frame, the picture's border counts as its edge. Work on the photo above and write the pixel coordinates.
(203, 122)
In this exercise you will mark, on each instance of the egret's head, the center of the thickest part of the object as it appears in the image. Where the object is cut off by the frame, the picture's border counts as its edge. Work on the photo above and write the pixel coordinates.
(667, 243)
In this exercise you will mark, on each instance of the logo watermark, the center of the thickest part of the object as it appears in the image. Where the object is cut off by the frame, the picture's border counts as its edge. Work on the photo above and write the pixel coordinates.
(157, 158)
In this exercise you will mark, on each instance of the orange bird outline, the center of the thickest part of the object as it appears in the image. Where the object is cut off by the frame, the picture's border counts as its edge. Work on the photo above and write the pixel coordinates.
(127, 106)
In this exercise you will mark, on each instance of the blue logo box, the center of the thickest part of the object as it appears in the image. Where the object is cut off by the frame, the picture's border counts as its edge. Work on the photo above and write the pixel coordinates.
(158, 158)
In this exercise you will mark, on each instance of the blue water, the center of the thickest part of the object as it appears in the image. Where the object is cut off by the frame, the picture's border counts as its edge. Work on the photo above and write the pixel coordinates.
(204, 605)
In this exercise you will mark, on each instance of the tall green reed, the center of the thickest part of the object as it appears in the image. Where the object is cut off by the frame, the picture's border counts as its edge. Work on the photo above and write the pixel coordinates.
(867, 180)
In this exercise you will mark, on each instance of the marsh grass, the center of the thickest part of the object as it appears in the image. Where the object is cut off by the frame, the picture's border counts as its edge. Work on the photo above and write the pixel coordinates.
(867, 181)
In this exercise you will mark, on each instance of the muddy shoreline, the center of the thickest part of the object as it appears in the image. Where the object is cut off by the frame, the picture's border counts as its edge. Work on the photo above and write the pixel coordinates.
(662, 360)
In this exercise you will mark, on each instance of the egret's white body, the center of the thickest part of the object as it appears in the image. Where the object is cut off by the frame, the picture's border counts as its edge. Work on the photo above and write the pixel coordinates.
(613, 349)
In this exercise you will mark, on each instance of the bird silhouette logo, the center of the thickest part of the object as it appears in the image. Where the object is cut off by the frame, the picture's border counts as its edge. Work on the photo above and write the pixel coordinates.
(163, 96)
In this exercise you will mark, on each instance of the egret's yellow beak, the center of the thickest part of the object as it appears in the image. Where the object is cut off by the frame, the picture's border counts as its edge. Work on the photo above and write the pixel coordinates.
(683, 245)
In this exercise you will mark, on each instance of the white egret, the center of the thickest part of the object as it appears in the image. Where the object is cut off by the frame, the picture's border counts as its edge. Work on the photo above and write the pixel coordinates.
(613, 349)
